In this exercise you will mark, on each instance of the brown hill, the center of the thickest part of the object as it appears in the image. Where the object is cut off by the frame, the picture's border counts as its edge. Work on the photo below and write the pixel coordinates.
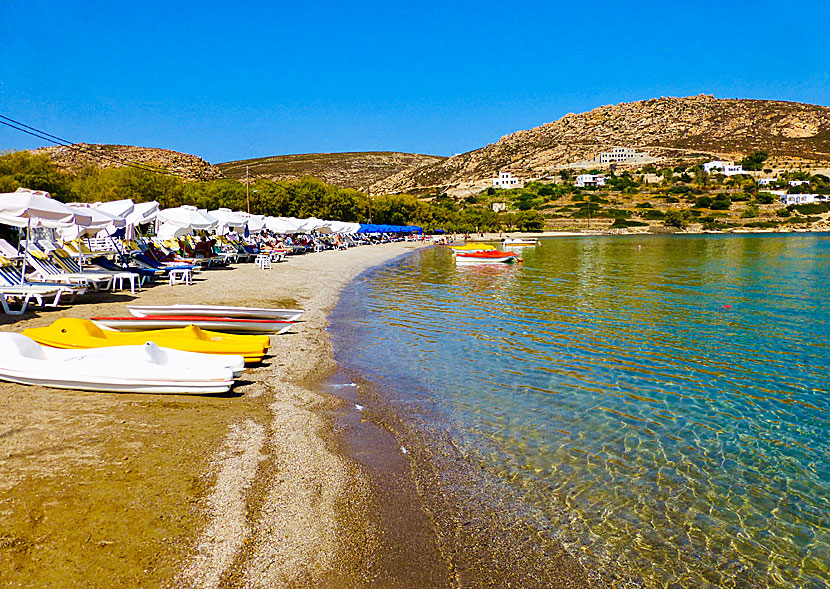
(670, 128)
(82, 155)
(348, 170)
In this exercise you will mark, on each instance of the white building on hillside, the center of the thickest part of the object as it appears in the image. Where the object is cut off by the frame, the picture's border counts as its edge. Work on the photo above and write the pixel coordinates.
(507, 180)
(725, 168)
(623, 155)
(584, 180)
(803, 199)
(765, 181)
(798, 182)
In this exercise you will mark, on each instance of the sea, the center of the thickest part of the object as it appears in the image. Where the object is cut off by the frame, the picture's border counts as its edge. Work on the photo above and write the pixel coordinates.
(660, 403)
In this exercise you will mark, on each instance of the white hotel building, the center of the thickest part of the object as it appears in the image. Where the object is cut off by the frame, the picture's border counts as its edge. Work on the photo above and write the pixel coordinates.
(507, 180)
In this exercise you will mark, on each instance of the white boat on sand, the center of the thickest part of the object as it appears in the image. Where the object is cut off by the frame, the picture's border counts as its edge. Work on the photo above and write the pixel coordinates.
(123, 369)
(216, 311)
(211, 323)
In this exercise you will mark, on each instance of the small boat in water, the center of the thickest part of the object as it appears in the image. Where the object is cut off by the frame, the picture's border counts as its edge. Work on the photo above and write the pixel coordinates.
(472, 247)
(216, 311)
(519, 242)
(222, 324)
(74, 333)
(489, 256)
(145, 368)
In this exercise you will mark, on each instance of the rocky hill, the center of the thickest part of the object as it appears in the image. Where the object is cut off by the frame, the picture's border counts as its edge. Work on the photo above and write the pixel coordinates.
(348, 170)
(670, 128)
(82, 155)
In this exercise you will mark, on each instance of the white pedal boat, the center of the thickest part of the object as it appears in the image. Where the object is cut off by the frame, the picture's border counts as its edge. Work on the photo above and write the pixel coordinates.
(122, 369)
(519, 242)
(210, 323)
(216, 311)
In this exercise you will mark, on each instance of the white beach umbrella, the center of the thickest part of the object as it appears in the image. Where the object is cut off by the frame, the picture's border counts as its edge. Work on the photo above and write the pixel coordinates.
(143, 212)
(256, 223)
(118, 208)
(33, 208)
(168, 230)
(279, 225)
(187, 217)
(100, 220)
(228, 219)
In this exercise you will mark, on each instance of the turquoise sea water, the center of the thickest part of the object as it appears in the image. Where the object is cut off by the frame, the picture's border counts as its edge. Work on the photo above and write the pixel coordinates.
(663, 400)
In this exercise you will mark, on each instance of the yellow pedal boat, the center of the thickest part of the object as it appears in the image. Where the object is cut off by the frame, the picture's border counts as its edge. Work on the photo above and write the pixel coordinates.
(73, 333)
(472, 247)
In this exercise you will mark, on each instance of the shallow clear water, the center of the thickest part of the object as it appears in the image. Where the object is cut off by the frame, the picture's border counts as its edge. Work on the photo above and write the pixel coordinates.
(664, 400)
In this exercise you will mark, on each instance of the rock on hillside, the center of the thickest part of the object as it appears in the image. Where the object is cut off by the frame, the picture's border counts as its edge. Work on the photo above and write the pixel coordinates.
(665, 127)
(82, 155)
(348, 170)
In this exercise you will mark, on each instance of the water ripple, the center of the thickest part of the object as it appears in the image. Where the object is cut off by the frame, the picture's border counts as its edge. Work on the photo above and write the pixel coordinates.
(663, 398)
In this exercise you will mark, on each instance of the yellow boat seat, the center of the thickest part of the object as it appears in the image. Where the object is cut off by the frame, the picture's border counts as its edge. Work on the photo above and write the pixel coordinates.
(74, 333)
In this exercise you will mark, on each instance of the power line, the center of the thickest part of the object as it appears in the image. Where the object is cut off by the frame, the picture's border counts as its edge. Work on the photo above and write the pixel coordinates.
(22, 127)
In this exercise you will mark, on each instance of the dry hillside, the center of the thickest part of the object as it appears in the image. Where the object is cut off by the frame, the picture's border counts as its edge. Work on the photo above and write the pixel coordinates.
(82, 155)
(665, 127)
(348, 170)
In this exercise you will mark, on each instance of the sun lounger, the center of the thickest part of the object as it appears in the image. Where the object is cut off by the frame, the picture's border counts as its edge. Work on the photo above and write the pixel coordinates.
(45, 269)
(116, 277)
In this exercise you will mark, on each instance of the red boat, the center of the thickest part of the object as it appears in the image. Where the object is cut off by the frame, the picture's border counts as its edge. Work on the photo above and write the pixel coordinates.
(489, 256)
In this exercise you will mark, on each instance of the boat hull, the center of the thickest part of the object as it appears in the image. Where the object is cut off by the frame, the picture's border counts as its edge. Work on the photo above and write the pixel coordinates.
(221, 324)
(216, 311)
(74, 333)
(125, 369)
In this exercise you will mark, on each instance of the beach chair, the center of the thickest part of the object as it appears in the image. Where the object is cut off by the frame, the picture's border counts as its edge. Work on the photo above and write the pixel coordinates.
(8, 251)
(13, 288)
(117, 277)
(45, 269)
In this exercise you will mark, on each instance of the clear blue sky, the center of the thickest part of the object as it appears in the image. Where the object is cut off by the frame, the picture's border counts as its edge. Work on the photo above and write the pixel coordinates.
(233, 80)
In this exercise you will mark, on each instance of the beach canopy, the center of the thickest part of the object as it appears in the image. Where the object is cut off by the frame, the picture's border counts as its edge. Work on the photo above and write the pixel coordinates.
(34, 208)
(373, 228)
(118, 208)
(187, 217)
(227, 219)
(255, 223)
(143, 212)
(100, 220)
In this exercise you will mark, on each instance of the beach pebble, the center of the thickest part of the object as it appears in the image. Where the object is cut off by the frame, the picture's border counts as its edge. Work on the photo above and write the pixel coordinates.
(358, 407)
(403, 449)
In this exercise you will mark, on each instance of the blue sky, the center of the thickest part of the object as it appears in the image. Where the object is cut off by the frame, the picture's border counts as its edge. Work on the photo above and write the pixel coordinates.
(234, 80)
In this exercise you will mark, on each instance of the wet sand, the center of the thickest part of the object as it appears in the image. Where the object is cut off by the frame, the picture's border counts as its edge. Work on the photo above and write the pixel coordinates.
(277, 484)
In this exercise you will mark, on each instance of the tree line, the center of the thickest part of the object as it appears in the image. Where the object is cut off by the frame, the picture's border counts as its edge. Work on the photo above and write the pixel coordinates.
(307, 197)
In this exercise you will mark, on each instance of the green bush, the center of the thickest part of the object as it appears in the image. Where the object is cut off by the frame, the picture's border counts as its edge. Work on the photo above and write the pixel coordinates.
(653, 214)
(672, 200)
(644, 205)
(812, 208)
(751, 211)
(783, 213)
(765, 198)
(676, 218)
(703, 202)
(620, 223)
(721, 203)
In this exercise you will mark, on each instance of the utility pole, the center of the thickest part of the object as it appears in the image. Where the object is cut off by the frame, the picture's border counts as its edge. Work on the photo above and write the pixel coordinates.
(247, 190)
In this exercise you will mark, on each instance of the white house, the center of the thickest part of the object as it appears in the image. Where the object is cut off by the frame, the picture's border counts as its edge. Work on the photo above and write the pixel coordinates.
(725, 168)
(584, 180)
(765, 181)
(499, 206)
(798, 182)
(802, 199)
(623, 155)
(506, 180)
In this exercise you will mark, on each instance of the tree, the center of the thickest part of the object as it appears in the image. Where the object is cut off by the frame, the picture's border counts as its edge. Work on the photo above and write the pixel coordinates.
(755, 161)
(678, 218)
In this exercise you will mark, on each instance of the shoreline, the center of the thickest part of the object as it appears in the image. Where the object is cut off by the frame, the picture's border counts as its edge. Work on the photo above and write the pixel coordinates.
(239, 489)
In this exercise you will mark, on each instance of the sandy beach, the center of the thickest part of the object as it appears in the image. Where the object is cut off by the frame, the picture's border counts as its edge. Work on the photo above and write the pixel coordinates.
(256, 488)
